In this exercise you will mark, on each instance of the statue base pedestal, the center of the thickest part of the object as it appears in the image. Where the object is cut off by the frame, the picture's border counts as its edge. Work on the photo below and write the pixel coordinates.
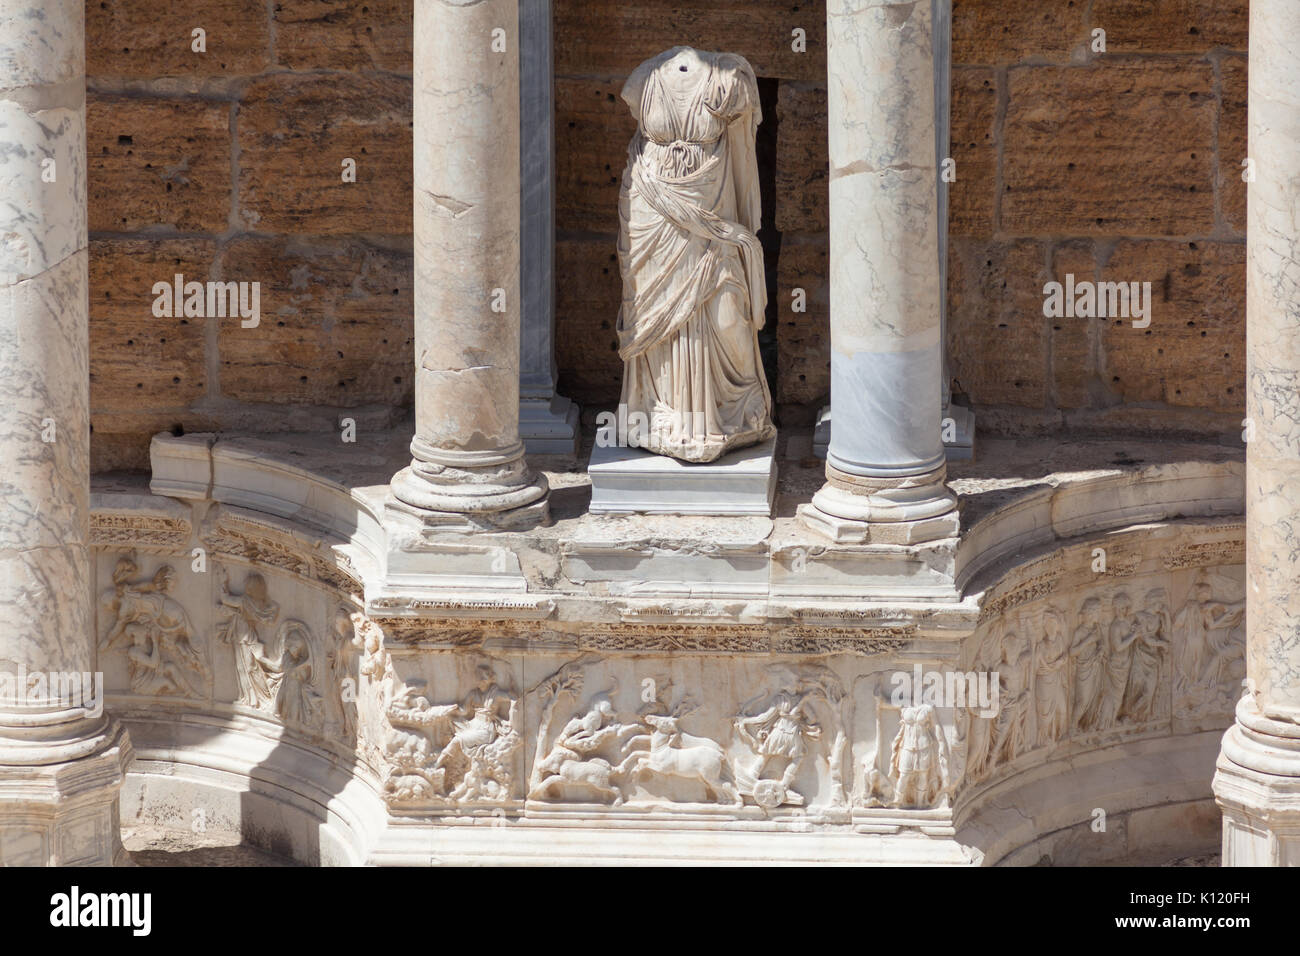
(635, 481)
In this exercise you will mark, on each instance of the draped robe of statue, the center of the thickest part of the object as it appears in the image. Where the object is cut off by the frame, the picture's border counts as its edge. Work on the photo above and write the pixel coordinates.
(693, 281)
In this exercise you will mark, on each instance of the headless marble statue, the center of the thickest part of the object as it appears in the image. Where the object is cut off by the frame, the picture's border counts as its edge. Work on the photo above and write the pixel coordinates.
(693, 281)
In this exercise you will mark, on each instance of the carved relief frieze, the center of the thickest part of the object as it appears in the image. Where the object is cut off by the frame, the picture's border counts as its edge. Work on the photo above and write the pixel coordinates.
(154, 632)
(138, 531)
(1122, 661)
(462, 752)
(274, 660)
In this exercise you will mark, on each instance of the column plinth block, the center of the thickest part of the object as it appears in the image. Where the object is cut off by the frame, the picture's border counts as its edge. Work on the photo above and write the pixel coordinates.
(1257, 786)
(850, 509)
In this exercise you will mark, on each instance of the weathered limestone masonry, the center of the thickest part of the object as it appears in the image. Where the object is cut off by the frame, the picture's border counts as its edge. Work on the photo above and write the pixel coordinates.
(1258, 778)
(886, 360)
(468, 457)
(62, 758)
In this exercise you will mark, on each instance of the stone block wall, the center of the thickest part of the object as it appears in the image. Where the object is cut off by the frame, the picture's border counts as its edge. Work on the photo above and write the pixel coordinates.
(1115, 166)
(226, 165)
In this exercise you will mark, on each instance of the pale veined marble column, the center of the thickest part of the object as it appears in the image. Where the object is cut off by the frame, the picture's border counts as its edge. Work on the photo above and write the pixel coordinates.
(548, 422)
(61, 758)
(468, 466)
(1257, 782)
(885, 466)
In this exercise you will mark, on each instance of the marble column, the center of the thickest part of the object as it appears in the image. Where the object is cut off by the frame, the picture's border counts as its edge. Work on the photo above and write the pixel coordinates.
(1257, 782)
(468, 467)
(885, 466)
(548, 422)
(61, 758)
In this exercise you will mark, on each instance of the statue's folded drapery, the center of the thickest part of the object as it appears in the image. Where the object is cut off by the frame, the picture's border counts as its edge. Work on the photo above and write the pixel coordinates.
(693, 281)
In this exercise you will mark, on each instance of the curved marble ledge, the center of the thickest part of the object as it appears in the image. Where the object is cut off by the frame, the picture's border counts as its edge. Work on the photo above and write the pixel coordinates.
(1151, 796)
(313, 482)
(245, 775)
(284, 516)
(1034, 518)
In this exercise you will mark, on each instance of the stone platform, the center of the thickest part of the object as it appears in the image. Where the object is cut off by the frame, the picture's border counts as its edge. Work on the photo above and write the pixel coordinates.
(634, 481)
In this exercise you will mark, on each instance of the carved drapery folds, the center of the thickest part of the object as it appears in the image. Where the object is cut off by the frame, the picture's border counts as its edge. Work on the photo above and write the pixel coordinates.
(1122, 661)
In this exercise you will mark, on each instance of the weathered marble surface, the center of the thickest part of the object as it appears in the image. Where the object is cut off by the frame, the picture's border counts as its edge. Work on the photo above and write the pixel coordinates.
(61, 758)
(548, 423)
(616, 688)
(1258, 779)
(468, 457)
(886, 356)
(694, 291)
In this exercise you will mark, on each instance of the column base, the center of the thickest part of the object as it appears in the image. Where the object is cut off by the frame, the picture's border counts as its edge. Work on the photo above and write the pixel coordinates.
(1257, 786)
(496, 495)
(853, 510)
(66, 814)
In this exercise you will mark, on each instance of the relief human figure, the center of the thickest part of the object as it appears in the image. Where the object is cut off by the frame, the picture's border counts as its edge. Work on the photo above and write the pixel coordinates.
(575, 757)
(980, 728)
(1226, 666)
(777, 735)
(296, 699)
(161, 657)
(1014, 718)
(1088, 651)
(1211, 652)
(1124, 630)
(918, 760)
(342, 660)
(1139, 704)
(1051, 680)
(478, 721)
(257, 674)
(694, 291)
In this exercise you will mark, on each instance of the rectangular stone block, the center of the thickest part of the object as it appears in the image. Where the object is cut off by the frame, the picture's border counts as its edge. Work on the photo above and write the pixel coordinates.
(803, 350)
(972, 198)
(343, 35)
(146, 38)
(593, 127)
(139, 362)
(1075, 379)
(997, 337)
(614, 36)
(336, 325)
(295, 133)
(588, 293)
(1121, 148)
(156, 162)
(802, 164)
(1007, 31)
(1194, 352)
(634, 481)
(1171, 26)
